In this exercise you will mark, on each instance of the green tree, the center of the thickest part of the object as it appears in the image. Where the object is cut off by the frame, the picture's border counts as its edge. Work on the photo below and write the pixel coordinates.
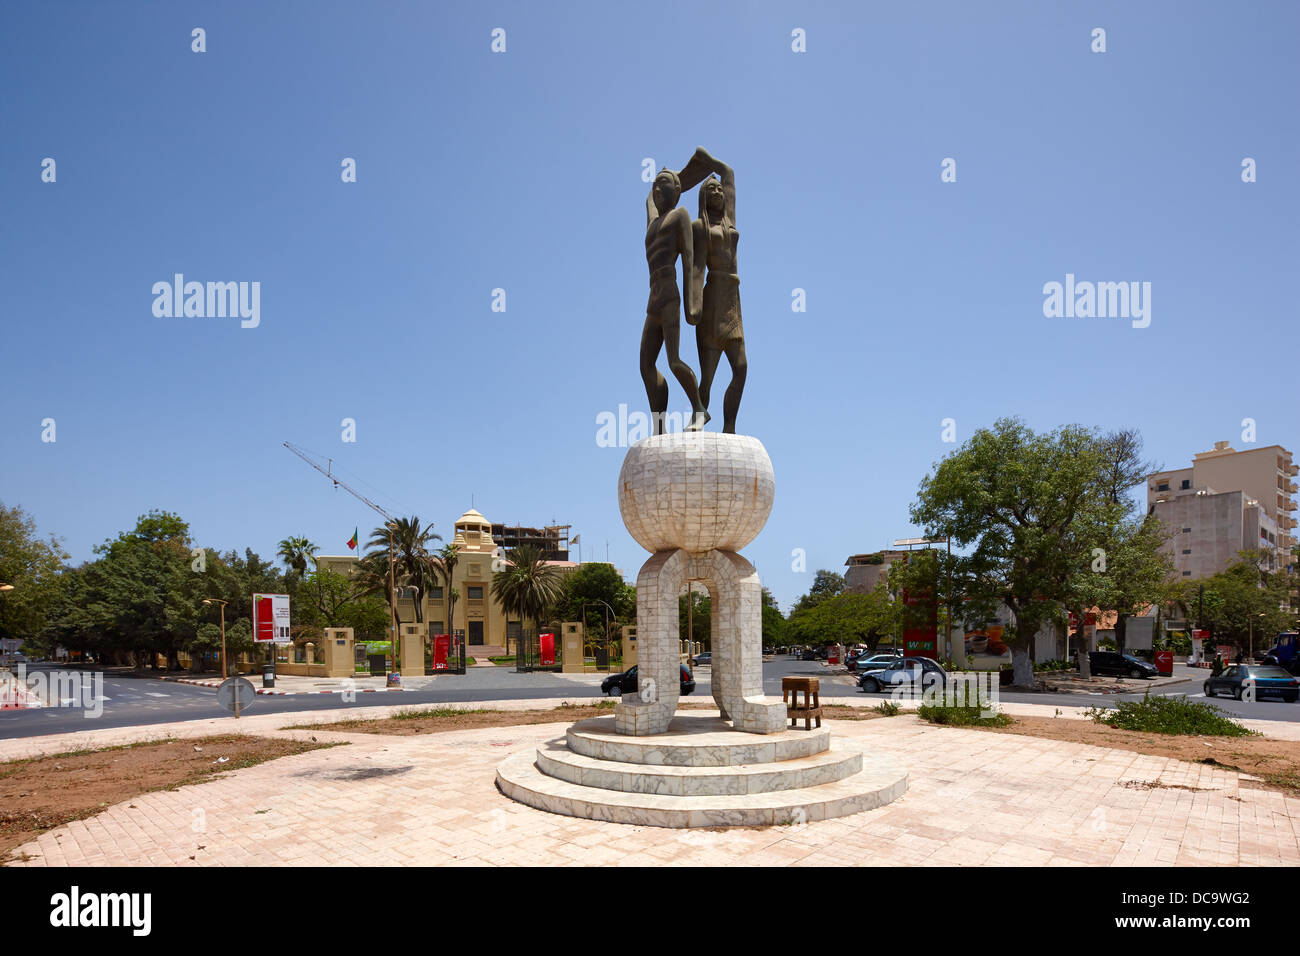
(596, 585)
(826, 584)
(774, 622)
(1127, 567)
(1024, 504)
(1242, 604)
(296, 553)
(848, 618)
(527, 587)
(413, 567)
(444, 563)
(700, 617)
(31, 567)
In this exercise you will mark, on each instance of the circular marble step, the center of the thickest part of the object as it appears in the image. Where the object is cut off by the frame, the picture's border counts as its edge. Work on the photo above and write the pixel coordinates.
(694, 741)
(880, 780)
(555, 759)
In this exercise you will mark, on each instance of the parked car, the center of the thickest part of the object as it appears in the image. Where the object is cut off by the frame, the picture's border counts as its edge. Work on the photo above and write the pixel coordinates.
(871, 662)
(702, 659)
(625, 683)
(902, 672)
(807, 654)
(1269, 681)
(1120, 665)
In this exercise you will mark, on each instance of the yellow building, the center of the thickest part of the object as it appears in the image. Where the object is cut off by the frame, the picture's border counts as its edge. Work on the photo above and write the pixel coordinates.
(484, 626)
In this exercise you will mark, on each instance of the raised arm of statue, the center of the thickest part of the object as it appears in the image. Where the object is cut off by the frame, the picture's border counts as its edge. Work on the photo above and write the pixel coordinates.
(700, 166)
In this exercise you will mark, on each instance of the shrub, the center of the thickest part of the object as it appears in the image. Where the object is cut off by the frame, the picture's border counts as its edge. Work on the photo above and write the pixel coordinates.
(967, 716)
(888, 708)
(1169, 715)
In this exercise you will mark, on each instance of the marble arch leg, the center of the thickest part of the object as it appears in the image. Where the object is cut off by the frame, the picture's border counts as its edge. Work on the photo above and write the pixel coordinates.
(736, 597)
(651, 709)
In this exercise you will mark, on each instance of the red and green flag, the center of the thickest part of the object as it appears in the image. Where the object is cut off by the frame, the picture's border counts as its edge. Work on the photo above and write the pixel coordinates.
(353, 543)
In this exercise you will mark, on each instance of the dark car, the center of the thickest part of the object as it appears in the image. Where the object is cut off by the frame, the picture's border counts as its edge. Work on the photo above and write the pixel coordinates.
(1266, 680)
(807, 654)
(902, 672)
(625, 683)
(701, 659)
(1120, 665)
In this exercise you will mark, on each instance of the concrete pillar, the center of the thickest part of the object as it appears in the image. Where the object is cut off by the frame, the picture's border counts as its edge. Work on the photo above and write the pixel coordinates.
(629, 646)
(339, 652)
(413, 636)
(573, 636)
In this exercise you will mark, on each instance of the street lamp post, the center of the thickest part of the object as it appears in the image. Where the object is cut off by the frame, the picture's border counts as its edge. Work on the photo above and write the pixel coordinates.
(392, 598)
(223, 632)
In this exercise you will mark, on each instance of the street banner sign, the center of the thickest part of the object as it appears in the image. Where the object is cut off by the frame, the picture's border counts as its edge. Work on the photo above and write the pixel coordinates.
(271, 619)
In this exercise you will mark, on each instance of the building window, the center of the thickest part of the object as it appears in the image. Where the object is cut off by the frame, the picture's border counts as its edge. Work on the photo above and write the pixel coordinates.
(1163, 486)
(435, 594)
(1187, 551)
(1187, 483)
(1187, 574)
(1187, 531)
(474, 593)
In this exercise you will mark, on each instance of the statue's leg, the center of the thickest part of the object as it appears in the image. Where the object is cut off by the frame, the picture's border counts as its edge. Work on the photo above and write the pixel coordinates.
(651, 708)
(737, 630)
(685, 375)
(731, 401)
(656, 387)
(709, 358)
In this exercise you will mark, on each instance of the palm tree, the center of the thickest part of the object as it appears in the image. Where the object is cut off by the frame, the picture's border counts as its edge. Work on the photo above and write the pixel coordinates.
(529, 585)
(444, 566)
(295, 553)
(411, 564)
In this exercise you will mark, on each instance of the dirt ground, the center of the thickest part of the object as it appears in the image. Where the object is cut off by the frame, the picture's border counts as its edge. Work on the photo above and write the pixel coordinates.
(45, 792)
(1275, 762)
(444, 719)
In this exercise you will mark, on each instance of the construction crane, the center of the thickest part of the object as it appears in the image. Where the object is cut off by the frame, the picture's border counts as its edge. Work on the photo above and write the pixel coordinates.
(389, 522)
(328, 473)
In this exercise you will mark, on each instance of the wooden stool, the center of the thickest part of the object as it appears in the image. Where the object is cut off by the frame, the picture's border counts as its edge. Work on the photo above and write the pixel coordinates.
(812, 704)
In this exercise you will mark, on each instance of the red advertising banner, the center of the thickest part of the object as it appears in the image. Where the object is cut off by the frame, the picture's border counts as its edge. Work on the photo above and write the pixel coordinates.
(547, 648)
(271, 619)
(441, 648)
(920, 630)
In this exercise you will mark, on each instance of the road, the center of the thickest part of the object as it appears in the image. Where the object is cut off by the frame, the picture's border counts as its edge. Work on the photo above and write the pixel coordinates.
(136, 699)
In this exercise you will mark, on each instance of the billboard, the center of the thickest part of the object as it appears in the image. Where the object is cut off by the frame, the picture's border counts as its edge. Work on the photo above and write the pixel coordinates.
(271, 619)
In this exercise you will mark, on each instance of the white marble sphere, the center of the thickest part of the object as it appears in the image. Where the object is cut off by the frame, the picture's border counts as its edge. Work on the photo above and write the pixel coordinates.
(696, 491)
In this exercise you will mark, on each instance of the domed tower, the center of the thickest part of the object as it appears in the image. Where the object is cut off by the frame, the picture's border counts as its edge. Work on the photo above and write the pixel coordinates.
(482, 623)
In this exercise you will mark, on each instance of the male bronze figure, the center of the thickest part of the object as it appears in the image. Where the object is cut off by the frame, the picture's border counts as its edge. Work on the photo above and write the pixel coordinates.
(667, 237)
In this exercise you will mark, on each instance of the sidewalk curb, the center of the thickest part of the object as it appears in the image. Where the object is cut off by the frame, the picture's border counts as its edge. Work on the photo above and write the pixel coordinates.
(262, 691)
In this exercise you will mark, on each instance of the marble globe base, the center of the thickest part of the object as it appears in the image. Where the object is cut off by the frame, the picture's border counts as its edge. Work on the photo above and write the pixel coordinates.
(700, 773)
(694, 499)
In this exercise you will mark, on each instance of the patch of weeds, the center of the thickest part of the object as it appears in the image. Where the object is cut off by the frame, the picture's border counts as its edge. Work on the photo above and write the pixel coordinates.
(887, 708)
(1170, 715)
(969, 716)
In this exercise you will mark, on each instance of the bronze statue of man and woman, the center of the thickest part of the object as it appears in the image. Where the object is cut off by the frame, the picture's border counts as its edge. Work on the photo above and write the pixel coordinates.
(707, 248)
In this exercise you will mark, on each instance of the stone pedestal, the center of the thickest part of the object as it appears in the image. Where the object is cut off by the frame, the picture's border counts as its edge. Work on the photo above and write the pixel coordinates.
(694, 499)
(413, 637)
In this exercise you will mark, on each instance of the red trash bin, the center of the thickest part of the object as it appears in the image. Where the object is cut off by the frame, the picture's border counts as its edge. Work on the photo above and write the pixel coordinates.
(1165, 663)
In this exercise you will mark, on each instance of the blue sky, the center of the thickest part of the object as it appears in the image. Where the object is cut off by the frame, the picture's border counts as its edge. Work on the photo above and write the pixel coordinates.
(522, 171)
